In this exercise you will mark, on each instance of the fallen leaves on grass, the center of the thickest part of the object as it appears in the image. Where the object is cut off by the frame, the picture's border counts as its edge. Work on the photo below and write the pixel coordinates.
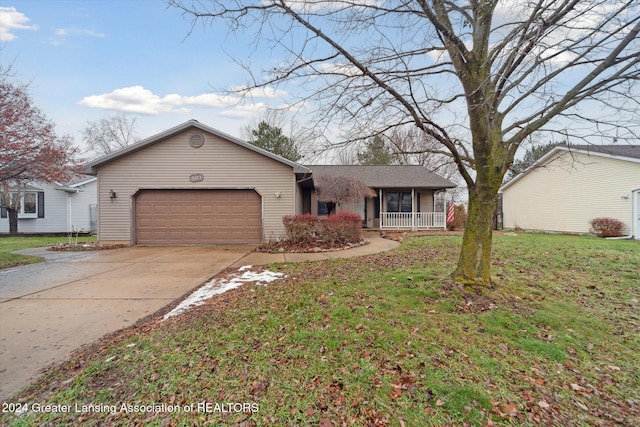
(374, 341)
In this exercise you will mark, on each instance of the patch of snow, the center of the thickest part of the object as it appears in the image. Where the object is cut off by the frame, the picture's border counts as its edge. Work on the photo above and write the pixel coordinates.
(216, 287)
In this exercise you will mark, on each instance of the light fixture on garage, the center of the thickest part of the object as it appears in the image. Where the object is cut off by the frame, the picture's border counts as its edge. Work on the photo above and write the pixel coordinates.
(112, 195)
(277, 194)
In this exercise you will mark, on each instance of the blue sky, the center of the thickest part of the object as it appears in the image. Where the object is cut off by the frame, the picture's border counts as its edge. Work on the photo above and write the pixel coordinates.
(88, 59)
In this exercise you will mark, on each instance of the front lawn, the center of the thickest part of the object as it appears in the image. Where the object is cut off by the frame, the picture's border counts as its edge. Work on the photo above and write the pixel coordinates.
(9, 244)
(380, 340)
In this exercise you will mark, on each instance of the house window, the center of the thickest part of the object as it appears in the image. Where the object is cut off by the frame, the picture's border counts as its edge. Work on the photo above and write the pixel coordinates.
(399, 202)
(31, 205)
(323, 209)
(326, 208)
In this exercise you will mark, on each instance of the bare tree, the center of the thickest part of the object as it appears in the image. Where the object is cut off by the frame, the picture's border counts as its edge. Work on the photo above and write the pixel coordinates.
(414, 147)
(110, 134)
(478, 76)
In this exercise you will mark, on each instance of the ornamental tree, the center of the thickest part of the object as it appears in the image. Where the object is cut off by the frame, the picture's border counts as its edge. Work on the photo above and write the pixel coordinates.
(480, 77)
(30, 150)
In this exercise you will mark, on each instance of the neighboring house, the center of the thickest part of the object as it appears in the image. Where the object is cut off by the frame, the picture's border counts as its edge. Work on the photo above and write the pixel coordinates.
(571, 185)
(195, 185)
(56, 208)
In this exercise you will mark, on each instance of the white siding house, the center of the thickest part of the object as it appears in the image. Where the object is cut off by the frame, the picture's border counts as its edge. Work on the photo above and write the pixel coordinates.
(59, 208)
(568, 187)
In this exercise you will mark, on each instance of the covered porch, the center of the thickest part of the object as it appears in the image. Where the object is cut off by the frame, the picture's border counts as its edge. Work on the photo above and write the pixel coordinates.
(413, 220)
(400, 197)
(413, 209)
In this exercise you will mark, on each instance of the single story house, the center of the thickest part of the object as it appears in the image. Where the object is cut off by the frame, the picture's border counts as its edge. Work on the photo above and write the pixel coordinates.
(571, 185)
(193, 184)
(405, 195)
(56, 207)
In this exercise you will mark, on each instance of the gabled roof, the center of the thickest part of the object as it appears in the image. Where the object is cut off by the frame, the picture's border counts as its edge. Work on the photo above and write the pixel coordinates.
(629, 153)
(386, 176)
(92, 167)
(615, 151)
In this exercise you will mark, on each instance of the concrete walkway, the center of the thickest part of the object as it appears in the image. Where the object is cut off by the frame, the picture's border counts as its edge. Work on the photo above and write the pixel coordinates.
(50, 309)
(376, 244)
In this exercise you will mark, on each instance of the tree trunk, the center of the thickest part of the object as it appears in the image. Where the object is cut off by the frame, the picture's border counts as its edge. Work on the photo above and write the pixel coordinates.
(13, 221)
(474, 264)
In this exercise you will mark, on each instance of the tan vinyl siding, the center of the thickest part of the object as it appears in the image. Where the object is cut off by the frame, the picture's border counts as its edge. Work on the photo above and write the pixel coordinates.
(571, 190)
(171, 163)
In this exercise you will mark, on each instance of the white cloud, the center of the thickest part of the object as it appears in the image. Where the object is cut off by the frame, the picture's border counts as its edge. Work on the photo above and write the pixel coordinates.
(306, 6)
(137, 99)
(10, 20)
(60, 34)
(259, 92)
(245, 111)
(134, 99)
(348, 70)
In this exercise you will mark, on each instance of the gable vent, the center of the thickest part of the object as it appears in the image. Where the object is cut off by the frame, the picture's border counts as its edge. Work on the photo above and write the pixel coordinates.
(196, 140)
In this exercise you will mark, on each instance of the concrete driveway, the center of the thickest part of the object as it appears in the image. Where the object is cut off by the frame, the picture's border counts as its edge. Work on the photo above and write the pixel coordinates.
(47, 310)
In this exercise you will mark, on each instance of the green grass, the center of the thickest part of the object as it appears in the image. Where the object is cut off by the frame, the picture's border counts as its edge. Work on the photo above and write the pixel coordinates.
(386, 340)
(9, 244)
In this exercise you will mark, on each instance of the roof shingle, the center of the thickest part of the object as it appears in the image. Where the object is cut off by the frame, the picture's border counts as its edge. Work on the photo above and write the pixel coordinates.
(632, 151)
(386, 176)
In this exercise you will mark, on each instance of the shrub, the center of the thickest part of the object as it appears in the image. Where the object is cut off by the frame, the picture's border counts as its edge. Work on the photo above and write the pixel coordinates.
(342, 228)
(300, 228)
(606, 227)
(459, 218)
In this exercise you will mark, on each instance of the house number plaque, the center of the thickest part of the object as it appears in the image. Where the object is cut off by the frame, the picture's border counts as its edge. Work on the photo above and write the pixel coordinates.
(196, 177)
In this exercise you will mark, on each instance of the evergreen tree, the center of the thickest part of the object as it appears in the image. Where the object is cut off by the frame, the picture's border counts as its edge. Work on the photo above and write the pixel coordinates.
(272, 139)
(530, 157)
(376, 152)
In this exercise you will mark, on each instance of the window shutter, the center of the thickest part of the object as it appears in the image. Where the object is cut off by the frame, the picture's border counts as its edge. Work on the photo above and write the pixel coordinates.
(3, 212)
(40, 204)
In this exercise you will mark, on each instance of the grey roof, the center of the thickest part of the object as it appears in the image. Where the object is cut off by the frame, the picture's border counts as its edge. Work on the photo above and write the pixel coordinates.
(386, 176)
(92, 167)
(631, 151)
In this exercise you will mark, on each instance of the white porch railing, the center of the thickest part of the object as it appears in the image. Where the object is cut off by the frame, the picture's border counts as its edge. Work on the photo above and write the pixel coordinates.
(413, 221)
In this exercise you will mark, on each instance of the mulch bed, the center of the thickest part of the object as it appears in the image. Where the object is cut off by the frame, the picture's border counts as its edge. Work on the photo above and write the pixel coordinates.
(86, 246)
(402, 234)
(309, 247)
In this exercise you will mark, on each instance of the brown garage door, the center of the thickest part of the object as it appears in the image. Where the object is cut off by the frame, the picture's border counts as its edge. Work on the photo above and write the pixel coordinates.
(198, 217)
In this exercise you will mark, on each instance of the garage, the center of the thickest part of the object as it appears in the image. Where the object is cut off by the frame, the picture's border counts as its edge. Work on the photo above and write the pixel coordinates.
(195, 216)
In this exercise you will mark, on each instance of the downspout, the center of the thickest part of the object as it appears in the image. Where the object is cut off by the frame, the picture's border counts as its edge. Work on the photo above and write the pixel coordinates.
(69, 212)
(630, 235)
